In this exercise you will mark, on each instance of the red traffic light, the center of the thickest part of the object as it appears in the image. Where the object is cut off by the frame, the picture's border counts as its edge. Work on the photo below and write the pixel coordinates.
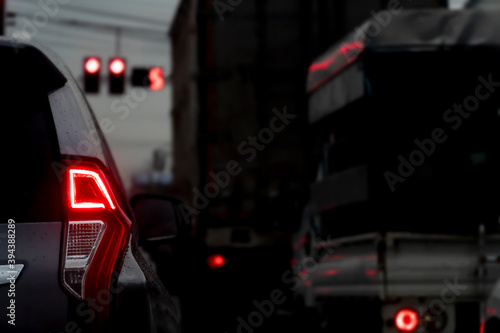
(148, 77)
(117, 66)
(116, 73)
(92, 65)
(91, 74)
(156, 79)
(216, 261)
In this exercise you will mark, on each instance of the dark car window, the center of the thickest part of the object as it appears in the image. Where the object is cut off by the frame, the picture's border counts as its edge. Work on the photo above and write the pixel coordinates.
(30, 186)
(30, 189)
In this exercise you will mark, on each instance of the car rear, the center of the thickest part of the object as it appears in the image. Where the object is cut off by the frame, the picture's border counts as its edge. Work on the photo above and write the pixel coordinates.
(67, 258)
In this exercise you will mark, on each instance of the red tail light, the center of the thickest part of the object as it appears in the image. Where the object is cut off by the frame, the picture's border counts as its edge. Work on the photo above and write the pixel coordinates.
(97, 233)
(406, 320)
(216, 261)
(87, 190)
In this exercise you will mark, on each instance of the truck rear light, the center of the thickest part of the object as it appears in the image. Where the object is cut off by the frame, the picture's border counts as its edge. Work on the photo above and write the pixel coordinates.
(406, 320)
(97, 232)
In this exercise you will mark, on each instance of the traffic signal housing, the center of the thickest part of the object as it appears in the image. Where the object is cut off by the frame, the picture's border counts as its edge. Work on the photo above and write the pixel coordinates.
(116, 71)
(92, 73)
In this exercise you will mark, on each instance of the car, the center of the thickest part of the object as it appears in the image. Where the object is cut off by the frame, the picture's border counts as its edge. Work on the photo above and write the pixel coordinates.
(69, 260)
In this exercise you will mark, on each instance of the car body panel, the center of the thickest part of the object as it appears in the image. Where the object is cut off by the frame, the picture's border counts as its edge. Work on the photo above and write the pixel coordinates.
(37, 288)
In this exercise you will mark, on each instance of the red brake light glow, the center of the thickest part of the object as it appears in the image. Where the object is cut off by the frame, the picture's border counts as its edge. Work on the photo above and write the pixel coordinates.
(97, 232)
(406, 320)
(216, 261)
(83, 191)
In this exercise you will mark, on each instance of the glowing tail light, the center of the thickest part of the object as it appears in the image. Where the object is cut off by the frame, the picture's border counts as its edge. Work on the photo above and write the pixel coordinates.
(97, 233)
(216, 261)
(87, 190)
(406, 320)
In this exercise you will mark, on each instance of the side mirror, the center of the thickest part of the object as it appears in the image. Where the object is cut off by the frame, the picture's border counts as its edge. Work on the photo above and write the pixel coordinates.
(158, 217)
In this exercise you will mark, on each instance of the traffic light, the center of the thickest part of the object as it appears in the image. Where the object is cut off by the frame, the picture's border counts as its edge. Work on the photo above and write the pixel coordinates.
(116, 68)
(92, 72)
(140, 77)
(151, 78)
(156, 79)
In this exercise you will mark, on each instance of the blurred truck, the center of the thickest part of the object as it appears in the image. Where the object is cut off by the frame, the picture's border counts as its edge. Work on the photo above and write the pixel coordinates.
(241, 137)
(239, 151)
(407, 195)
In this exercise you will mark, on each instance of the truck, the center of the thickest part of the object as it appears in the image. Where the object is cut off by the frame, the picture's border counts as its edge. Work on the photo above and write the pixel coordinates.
(239, 154)
(407, 192)
(241, 138)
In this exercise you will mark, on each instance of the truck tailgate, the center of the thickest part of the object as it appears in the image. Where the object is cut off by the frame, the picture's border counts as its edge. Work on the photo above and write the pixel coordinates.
(423, 265)
(407, 265)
